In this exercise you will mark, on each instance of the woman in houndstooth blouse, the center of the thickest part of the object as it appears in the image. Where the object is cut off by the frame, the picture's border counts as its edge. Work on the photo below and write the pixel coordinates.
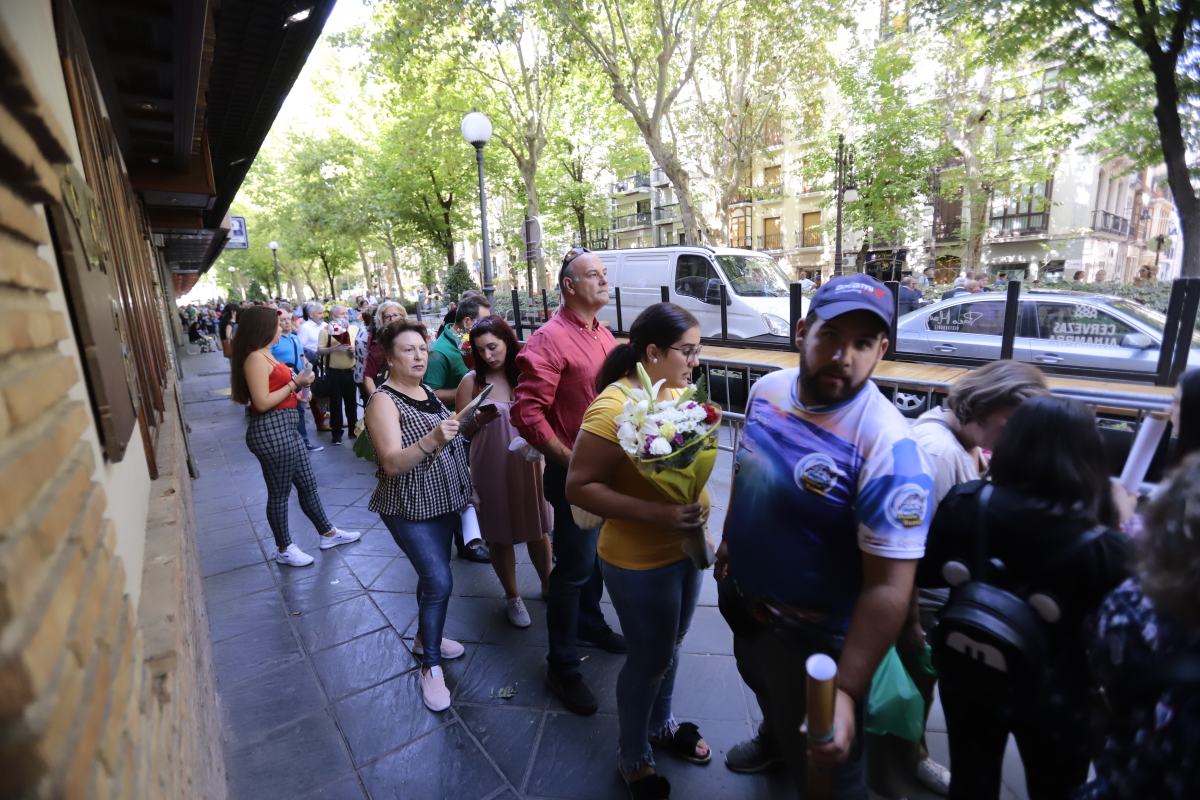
(424, 482)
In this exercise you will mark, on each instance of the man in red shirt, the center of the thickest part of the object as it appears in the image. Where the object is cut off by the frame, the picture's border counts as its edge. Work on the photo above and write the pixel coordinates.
(558, 367)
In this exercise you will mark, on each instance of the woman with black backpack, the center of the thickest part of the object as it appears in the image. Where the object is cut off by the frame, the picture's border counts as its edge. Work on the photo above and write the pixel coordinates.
(1029, 554)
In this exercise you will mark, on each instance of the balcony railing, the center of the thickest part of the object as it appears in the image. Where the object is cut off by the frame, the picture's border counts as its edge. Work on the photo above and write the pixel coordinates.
(769, 191)
(947, 230)
(742, 196)
(1019, 225)
(1109, 223)
(666, 213)
(638, 220)
(658, 177)
(770, 241)
(773, 136)
(809, 238)
(597, 241)
(632, 183)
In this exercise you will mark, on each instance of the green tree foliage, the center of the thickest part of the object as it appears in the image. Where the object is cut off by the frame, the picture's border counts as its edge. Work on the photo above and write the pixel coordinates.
(459, 280)
(758, 82)
(1126, 58)
(648, 52)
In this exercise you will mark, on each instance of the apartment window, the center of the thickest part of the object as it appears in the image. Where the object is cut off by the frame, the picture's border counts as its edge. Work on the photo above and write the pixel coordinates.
(772, 234)
(1023, 211)
(739, 231)
(772, 177)
(643, 206)
(810, 226)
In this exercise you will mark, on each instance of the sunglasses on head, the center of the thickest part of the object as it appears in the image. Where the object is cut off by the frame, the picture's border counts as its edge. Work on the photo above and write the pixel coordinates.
(572, 254)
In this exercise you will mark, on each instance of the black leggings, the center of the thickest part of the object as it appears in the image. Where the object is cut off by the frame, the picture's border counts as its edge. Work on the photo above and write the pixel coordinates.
(1053, 742)
(274, 439)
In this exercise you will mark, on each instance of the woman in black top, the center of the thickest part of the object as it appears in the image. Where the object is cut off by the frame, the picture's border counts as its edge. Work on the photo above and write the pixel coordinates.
(424, 482)
(1049, 489)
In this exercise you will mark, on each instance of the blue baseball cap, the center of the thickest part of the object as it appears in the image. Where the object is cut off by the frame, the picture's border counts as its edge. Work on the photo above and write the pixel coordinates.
(847, 293)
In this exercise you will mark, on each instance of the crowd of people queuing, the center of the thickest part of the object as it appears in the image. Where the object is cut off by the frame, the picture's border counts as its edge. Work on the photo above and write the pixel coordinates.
(851, 530)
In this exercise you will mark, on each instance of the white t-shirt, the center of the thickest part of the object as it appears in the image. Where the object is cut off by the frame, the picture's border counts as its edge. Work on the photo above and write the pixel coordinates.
(310, 333)
(950, 462)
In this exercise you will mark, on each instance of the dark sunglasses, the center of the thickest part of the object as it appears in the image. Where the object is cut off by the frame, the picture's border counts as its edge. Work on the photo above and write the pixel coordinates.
(572, 254)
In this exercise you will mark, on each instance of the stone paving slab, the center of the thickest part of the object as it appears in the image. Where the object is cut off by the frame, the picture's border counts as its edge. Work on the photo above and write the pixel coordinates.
(318, 686)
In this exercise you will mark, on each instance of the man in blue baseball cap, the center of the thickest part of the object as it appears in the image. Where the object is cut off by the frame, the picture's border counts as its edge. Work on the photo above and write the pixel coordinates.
(828, 517)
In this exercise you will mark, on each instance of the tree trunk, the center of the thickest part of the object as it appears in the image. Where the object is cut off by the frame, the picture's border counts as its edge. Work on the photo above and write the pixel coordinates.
(366, 266)
(532, 209)
(665, 157)
(1170, 131)
(329, 275)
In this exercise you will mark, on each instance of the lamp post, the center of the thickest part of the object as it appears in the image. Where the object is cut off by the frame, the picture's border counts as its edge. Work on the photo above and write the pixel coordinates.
(275, 254)
(477, 129)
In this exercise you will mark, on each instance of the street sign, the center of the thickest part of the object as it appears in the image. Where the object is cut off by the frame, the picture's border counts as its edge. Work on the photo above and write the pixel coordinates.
(239, 239)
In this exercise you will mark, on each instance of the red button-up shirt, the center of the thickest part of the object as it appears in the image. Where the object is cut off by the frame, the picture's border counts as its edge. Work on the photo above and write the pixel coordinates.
(558, 367)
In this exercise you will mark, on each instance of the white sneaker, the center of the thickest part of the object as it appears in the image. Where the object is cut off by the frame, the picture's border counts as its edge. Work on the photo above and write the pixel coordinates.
(293, 557)
(934, 777)
(518, 615)
(339, 537)
(450, 648)
(434, 691)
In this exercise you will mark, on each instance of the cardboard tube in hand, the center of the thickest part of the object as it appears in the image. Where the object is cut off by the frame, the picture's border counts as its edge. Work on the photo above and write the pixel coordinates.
(821, 690)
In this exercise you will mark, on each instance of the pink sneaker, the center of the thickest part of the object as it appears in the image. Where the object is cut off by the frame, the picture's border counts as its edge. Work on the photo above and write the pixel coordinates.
(434, 691)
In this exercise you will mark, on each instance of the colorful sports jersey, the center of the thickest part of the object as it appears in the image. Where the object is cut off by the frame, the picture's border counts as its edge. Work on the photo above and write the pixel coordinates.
(815, 486)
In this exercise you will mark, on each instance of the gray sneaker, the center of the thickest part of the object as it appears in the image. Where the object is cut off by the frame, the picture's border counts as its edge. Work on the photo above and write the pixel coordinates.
(752, 755)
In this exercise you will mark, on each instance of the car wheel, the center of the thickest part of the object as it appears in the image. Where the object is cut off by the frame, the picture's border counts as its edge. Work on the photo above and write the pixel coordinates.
(909, 404)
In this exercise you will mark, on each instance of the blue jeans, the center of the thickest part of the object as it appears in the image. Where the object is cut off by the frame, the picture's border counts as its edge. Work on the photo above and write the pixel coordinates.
(655, 607)
(426, 542)
(770, 658)
(303, 427)
(573, 605)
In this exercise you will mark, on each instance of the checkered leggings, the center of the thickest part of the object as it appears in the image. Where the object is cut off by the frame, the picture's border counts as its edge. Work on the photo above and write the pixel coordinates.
(274, 440)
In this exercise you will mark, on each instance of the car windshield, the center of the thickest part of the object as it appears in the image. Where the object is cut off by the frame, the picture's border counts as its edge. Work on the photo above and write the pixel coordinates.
(754, 276)
(1149, 317)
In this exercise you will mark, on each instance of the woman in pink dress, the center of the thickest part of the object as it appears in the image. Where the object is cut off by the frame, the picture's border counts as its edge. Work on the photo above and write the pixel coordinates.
(508, 486)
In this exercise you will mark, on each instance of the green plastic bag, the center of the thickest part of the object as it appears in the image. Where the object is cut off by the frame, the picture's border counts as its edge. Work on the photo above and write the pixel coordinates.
(895, 707)
(362, 445)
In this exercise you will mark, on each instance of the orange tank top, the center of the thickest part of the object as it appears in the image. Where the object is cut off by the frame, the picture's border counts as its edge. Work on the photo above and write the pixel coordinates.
(279, 377)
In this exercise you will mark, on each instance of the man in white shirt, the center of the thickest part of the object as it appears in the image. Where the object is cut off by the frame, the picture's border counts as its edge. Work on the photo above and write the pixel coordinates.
(310, 335)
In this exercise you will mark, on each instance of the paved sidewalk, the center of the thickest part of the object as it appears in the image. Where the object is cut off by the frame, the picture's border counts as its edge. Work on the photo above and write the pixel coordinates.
(317, 684)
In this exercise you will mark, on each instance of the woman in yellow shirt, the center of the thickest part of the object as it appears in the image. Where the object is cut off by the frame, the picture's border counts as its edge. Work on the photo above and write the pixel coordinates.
(653, 585)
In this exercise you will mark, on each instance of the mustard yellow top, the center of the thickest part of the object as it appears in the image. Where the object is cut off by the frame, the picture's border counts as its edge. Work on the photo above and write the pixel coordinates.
(625, 543)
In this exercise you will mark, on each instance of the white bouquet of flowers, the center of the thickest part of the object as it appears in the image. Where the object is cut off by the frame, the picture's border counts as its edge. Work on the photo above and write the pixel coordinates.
(674, 445)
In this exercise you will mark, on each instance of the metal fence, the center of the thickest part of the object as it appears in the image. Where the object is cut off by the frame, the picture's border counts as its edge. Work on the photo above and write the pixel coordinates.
(1173, 354)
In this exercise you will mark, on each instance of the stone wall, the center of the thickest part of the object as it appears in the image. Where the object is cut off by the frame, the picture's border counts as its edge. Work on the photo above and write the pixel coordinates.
(97, 698)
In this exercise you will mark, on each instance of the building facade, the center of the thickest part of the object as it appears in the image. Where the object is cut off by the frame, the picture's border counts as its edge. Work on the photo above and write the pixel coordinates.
(126, 131)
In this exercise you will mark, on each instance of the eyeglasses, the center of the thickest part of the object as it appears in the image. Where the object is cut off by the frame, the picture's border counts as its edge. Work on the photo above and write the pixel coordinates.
(691, 352)
(572, 254)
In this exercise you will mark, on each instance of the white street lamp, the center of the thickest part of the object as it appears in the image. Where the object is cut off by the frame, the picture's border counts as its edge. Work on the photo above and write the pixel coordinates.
(275, 254)
(477, 130)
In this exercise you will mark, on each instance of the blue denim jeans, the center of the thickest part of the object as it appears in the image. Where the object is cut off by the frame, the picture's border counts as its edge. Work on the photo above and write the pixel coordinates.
(303, 428)
(770, 659)
(573, 604)
(655, 607)
(427, 544)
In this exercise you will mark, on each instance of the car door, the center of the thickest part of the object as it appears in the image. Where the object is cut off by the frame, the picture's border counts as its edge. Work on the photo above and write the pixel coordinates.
(698, 289)
(970, 328)
(1087, 335)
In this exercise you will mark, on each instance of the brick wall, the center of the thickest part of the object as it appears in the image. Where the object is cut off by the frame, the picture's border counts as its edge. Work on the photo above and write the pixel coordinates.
(97, 698)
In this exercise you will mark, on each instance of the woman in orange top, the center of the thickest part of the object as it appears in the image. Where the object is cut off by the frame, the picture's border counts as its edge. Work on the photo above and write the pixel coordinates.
(273, 435)
(652, 583)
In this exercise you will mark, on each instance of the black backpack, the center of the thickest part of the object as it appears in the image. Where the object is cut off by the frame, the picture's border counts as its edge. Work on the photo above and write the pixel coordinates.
(996, 642)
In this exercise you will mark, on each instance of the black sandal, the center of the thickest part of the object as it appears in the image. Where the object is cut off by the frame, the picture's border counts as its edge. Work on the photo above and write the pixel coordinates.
(683, 743)
(648, 787)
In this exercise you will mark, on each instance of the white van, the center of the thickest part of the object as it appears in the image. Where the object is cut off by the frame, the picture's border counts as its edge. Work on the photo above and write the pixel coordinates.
(757, 292)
